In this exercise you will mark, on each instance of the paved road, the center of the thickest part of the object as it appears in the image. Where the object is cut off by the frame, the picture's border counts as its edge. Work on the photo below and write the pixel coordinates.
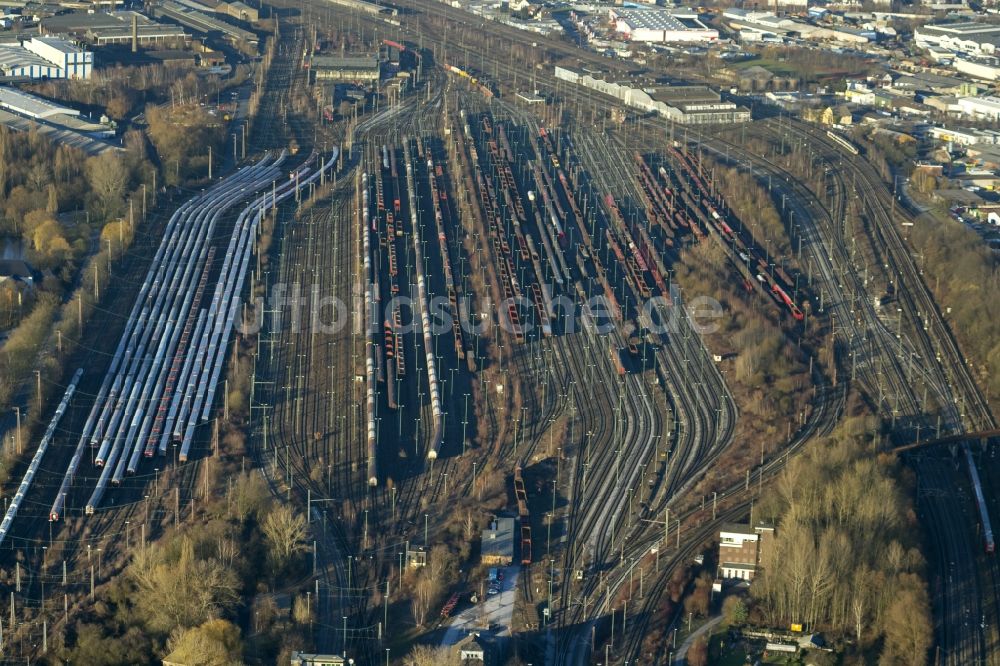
(681, 657)
(498, 609)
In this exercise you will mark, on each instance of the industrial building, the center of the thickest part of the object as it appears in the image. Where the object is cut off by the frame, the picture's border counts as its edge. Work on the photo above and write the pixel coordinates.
(362, 6)
(153, 33)
(498, 543)
(685, 105)
(982, 68)
(74, 62)
(965, 136)
(105, 28)
(200, 21)
(20, 112)
(239, 11)
(16, 61)
(309, 659)
(970, 37)
(356, 69)
(31, 106)
(45, 58)
(698, 105)
(741, 548)
(759, 20)
(21, 105)
(659, 25)
(987, 107)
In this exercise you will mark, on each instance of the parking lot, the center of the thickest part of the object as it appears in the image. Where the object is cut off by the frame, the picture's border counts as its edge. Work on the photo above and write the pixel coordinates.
(495, 612)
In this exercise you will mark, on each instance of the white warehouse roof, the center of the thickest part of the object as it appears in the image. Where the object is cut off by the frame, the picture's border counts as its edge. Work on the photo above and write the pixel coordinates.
(58, 44)
(657, 24)
(31, 106)
(650, 19)
(14, 55)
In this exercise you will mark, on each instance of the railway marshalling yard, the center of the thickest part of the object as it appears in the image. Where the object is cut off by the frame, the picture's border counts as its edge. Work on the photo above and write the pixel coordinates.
(469, 307)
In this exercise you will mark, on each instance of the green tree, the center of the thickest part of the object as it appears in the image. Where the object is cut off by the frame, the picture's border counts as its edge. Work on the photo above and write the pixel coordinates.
(248, 495)
(52, 207)
(699, 601)
(96, 647)
(302, 610)
(425, 655)
(179, 590)
(734, 610)
(49, 242)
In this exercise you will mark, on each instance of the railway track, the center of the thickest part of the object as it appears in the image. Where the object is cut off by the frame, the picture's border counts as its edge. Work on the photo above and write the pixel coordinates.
(894, 389)
(879, 361)
(305, 446)
(970, 616)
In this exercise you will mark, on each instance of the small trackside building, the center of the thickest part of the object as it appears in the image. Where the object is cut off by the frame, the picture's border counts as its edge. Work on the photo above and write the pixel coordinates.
(498, 542)
(740, 549)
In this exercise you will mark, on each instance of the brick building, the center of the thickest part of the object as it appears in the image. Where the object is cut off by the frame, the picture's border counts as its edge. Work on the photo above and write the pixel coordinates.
(741, 548)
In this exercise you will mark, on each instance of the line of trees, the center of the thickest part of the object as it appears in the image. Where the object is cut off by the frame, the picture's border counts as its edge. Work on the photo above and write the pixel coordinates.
(845, 557)
(122, 90)
(966, 280)
(53, 200)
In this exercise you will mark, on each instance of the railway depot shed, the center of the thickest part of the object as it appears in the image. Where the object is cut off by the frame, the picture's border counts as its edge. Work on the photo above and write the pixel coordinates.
(358, 69)
(498, 542)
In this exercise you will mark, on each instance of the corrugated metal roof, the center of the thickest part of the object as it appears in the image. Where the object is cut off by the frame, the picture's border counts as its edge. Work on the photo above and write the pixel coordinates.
(60, 45)
(349, 62)
(29, 105)
(14, 55)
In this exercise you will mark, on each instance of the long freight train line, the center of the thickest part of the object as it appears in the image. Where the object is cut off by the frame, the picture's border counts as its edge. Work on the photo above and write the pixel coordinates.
(394, 271)
(166, 292)
(697, 443)
(498, 63)
(609, 461)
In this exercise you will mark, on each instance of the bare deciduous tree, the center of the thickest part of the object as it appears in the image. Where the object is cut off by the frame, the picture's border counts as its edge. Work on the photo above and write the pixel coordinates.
(285, 532)
(108, 179)
(180, 590)
(426, 655)
(214, 643)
